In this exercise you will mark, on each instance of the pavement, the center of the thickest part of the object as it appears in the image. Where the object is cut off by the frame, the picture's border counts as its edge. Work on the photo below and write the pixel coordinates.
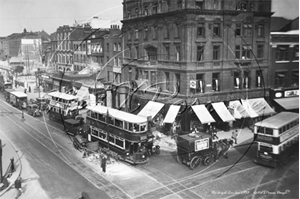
(8, 152)
(245, 136)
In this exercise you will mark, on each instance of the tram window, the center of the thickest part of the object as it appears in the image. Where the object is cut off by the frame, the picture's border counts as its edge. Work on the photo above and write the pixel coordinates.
(88, 113)
(143, 128)
(269, 131)
(111, 139)
(135, 128)
(110, 120)
(118, 123)
(93, 114)
(126, 125)
(130, 126)
(95, 132)
(119, 142)
(127, 144)
(103, 135)
(101, 117)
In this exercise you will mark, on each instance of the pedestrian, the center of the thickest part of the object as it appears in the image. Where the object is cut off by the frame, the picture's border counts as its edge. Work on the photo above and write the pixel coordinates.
(103, 163)
(12, 165)
(234, 136)
(29, 89)
(215, 133)
(18, 186)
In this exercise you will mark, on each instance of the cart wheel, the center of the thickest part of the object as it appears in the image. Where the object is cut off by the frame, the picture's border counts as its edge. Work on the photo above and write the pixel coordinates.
(195, 163)
(179, 159)
(207, 161)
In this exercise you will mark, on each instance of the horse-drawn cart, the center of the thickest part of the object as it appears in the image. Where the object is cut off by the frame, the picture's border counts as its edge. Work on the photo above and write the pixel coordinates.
(195, 149)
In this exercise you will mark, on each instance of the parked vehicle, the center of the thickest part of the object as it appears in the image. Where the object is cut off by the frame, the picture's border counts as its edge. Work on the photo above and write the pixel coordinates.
(7, 94)
(42, 103)
(75, 127)
(277, 138)
(34, 110)
(18, 99)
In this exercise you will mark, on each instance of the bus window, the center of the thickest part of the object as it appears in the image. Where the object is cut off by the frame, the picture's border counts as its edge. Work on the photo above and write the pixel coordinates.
(269, 131)
(119, 123)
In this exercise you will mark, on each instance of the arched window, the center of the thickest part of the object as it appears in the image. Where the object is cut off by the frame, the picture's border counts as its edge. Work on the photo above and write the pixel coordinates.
(151, 53)
(175, 30)
(166, 32)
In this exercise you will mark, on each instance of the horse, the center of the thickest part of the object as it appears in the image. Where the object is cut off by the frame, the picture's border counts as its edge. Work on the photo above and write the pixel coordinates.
(226, 145)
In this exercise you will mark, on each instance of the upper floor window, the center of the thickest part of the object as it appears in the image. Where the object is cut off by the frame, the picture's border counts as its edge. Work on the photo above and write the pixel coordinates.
(259, 77)
(129, 35)
(128, 13)
(179, 4)
(296, 52)
(167, 55)
(282, 53)
(246, 52)
(237, 29)
(107, 46)
(146, 34)
(280, 79)
(137, 12)
(215, 82)
(167, 84)
(200, 4)
(136, 34)
(246, 80)
(216, 30)
(200, 85)
(177, 53)
(200, 53)
(260, 30)
(119, 47)
(168, 5)
(295, 78)
(236, 79)
(175, 30)
(216, 52)
(166, 32)
(247, 29)
(146, 12)
(115, 47)
(200, 30)
(154, 8)
(151, 53)
(260, 51)
(153, 30)
(238, 52)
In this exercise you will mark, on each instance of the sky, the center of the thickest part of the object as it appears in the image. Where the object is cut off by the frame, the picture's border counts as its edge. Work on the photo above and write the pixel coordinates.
(48, 15)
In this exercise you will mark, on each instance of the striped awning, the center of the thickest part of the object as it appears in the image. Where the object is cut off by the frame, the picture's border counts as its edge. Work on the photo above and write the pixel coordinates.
(259, 106)
(222, 111)
(238, 110)
(151, 109)
(203, 114)
(172, 113)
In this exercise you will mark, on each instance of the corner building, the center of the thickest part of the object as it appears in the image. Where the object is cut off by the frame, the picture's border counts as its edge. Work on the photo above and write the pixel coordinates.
(212, 50)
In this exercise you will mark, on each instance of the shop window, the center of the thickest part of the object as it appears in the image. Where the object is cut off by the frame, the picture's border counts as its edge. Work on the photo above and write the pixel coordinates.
(282, 53)
(200, 87)
(152, 53)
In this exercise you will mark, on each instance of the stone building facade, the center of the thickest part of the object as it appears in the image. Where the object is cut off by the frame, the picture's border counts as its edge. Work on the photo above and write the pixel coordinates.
(212, 50)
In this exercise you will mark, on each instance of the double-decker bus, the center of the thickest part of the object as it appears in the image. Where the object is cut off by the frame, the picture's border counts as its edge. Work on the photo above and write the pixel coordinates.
(125, 134)
(277, 136)
(62, 106)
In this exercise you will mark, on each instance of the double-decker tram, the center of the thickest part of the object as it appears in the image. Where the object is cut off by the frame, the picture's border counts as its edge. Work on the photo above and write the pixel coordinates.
(62, 106)
(277, 136)
(122, 133)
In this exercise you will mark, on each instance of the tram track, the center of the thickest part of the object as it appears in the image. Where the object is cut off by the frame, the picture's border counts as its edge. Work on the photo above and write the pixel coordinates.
(68, 157)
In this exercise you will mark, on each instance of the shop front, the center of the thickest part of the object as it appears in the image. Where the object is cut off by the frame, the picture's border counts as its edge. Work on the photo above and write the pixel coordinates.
(285, 100)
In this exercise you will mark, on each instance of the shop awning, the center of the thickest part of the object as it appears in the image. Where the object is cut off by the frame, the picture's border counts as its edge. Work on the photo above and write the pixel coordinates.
(172, 113)
(238, 110)
(223, 112)
(259, 106)
(151, 109)
(203, 114)
(83, 93)
(249, 109)
(288, 103)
